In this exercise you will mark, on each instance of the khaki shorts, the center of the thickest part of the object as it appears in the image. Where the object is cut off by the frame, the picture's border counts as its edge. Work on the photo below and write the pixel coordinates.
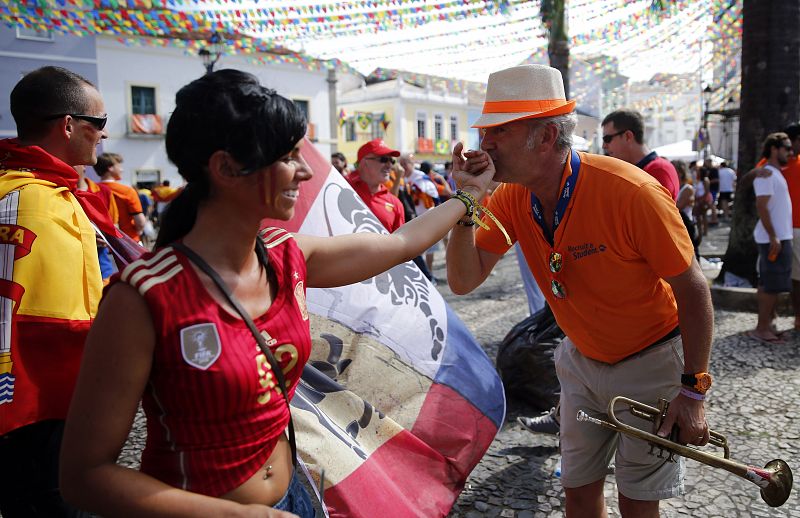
(587, 449)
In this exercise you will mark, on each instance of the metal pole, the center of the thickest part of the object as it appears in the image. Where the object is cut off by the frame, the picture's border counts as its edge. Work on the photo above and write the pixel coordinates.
(706, 137)
(700, 89)
(333, 110)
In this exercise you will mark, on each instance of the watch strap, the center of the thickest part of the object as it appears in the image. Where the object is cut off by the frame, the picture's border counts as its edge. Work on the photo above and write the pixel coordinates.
(699, 382)
(690, 380)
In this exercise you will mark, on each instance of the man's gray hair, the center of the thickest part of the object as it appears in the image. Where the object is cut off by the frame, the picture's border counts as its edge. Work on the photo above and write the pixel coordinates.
(565, 124)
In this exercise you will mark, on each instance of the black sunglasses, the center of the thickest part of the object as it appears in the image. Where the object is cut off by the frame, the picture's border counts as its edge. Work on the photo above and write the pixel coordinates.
(97, 122)
(382, 159)
(608, 138)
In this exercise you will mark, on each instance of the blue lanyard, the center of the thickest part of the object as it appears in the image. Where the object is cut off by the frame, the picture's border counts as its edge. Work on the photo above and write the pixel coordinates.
(563, 200)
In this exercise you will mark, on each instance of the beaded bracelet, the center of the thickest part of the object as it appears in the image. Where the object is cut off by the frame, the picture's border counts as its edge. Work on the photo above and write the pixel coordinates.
(474, 214)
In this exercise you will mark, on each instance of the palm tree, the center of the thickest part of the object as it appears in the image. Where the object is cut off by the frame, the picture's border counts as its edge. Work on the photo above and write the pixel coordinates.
(770, 99)
(770, 96)
(553, 13)
(554, 19)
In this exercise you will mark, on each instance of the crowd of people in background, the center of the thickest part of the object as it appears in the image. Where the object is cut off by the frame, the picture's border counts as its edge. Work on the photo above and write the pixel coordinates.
(703, 190)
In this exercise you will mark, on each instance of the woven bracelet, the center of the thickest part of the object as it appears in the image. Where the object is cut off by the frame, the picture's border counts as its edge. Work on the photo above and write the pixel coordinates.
(474, 215)
(468, 201)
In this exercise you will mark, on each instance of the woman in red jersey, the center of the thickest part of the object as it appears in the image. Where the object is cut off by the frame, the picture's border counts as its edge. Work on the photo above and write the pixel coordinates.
(167, 335)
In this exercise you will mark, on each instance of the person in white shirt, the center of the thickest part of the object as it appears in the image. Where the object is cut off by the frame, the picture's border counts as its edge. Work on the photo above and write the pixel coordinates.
(773, 235)
(727, 185)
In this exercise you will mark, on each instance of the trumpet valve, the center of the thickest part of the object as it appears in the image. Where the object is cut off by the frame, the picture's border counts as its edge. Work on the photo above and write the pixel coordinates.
(658, 418)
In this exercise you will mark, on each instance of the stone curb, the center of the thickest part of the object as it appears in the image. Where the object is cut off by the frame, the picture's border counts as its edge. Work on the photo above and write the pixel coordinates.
(745, 299)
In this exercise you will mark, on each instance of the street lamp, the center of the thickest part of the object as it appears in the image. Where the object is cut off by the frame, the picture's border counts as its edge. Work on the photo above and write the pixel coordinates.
(707, 91)
(729, 127)
(210, 57)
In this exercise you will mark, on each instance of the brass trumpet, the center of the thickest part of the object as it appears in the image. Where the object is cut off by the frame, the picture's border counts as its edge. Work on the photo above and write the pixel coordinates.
(774, 479)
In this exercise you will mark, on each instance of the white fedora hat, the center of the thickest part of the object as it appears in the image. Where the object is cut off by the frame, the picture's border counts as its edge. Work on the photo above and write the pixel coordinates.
(523, 92)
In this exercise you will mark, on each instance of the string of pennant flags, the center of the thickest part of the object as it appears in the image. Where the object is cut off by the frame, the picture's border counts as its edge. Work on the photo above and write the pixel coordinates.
(270, 31)
(154, 18)
(157, 17)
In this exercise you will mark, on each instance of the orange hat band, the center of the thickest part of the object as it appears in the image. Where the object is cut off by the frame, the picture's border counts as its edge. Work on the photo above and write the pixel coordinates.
(522, 106)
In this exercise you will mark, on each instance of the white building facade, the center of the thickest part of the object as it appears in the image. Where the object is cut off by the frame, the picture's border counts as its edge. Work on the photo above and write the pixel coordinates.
(423, 119)
(139, 82)
(670, 106)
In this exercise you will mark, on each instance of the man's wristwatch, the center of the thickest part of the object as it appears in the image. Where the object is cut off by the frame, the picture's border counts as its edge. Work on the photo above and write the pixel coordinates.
(700, 381)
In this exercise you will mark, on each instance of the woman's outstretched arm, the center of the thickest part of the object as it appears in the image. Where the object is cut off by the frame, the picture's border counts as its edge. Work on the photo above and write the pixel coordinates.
(342, 260)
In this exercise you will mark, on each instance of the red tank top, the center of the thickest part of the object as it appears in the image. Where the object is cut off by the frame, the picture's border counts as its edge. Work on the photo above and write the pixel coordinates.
(214, 409)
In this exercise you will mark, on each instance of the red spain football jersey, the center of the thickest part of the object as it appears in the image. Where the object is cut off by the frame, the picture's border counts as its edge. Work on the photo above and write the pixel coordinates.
(214, 408)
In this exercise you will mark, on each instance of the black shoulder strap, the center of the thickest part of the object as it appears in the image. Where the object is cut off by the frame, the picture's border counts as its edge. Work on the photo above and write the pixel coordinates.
(276, 368)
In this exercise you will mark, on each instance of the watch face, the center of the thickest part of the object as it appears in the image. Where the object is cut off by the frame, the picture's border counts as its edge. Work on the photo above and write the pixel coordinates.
(703, 381)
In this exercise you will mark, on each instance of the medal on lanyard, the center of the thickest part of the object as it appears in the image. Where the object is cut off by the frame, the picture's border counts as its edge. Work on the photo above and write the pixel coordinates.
(555, 260)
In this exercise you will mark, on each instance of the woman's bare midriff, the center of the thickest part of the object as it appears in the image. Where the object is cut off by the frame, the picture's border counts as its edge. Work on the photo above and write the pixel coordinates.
(260, 490)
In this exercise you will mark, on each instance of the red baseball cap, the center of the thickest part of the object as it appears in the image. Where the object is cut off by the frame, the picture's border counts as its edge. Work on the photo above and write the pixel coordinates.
(377, 147)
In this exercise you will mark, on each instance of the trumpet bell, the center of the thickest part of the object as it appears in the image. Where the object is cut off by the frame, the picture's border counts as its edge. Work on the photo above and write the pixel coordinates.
(775, 479)
(776, 494)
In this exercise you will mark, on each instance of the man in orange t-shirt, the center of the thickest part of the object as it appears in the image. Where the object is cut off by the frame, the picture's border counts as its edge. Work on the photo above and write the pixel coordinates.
(607, 246)
(131, 216)
(792, 174)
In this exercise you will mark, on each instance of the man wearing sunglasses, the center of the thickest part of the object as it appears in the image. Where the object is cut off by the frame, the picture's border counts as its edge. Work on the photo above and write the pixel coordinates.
(373, 168)
(607, 246)
(51, 282)
(623, 138)
(773, 234)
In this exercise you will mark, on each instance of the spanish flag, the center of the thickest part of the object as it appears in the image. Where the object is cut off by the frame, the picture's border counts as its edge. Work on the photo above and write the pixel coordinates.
(50, 284)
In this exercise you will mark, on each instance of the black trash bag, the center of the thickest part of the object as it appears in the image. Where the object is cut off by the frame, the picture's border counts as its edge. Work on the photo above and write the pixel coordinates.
(525, 360)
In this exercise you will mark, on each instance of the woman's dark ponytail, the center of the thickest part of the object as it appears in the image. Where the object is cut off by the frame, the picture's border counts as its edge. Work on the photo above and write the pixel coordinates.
(181, 214)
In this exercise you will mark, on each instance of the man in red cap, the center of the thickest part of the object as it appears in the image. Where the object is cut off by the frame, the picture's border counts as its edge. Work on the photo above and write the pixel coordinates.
(373, 168)
(607, 246)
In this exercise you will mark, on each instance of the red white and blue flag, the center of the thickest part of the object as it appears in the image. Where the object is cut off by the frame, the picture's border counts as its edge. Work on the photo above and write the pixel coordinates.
(398, 402)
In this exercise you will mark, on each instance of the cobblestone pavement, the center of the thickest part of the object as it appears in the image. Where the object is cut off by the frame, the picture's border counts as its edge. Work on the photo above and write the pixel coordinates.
(755, 402)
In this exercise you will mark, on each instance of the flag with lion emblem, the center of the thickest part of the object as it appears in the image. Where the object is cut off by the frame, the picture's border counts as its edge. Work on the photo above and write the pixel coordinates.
(398, 402)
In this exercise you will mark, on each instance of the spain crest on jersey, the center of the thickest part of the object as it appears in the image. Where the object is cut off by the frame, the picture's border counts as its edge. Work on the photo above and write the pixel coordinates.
(200, 345)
